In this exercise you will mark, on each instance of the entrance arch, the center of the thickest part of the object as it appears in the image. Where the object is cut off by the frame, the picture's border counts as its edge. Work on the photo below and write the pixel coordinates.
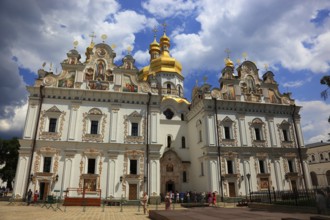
(170, 186)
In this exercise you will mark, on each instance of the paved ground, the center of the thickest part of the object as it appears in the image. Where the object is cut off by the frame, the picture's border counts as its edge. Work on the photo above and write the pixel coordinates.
(20, 211)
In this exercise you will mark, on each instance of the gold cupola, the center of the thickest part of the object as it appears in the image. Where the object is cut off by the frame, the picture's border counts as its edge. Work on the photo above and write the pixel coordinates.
(228, 62)
(162, 61)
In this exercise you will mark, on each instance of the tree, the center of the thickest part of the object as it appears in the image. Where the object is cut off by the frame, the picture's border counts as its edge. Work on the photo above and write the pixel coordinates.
(8, 159)
(324, 94)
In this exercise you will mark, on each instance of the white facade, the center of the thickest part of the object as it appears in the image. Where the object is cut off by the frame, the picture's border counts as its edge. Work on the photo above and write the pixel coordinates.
(115, 131)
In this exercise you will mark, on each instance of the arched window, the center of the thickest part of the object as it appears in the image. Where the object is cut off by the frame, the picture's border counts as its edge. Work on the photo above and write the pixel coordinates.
(314, 179)
(321, 156)
(168, 87)
(313, 158)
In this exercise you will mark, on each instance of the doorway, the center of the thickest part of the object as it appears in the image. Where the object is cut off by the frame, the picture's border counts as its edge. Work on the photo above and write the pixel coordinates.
(132, 194)
(294, 185)
(44, 187)
(170, 186)
(232, 191)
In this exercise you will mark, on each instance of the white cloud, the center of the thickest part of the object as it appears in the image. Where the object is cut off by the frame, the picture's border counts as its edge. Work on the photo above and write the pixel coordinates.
(142, 57)
(314, 120)
(16, 122)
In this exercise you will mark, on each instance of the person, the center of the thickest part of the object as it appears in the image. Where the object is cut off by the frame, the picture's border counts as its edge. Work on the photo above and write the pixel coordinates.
(145, 202)
(35, 196)
(168, 201)
(209, 198)
(177, 197)
(320, 202)
(214, 199)
(29, 196)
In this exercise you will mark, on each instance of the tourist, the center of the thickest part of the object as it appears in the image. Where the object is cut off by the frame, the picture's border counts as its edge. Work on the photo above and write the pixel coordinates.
(29, 196)
(35, 196)
(320, 202)
(168, 201)
(188, 197)
(209, 198)
(145, 202)
(214, 199)
(177, 197)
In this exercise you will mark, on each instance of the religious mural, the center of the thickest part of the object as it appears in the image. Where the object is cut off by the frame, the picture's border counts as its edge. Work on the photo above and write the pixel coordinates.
(68, 80)
(100, 70)
(128, 86)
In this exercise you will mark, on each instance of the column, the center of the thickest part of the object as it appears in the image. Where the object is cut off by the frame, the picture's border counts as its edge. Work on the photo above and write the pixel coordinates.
(278, 175)
(73, 121)
(114, 123)
(242, 129)
(153, 127)
(30, 120)
(271, 128)
(211, 131)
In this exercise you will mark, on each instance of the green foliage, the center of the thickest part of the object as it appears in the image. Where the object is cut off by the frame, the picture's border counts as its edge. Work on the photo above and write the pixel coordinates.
(8, 158)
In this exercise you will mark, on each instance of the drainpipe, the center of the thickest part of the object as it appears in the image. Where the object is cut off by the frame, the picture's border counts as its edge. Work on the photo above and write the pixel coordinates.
(33, 143)
(218, 145)
(294, 113)
(147, 137)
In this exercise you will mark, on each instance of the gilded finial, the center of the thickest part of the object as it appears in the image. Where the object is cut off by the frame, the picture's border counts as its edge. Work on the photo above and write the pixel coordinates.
(75, 44)
(104, 37)
(204, 79)
(227, 51)
(266, 66)
(113, 46)
(92, 35)
(164, 26)
(50, 67)
(129, 49)
(244, 54)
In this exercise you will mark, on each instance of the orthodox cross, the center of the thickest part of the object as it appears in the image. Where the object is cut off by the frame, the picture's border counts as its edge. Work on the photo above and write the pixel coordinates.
(155, 31)
(92, 36)
(104, 37)
(113, 46)
(227, 51)
(244, 54)
(164, 26)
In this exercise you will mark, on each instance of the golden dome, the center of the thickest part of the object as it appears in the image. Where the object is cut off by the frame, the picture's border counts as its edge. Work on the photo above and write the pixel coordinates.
(228, 62)
(178, 100)
(163, 63)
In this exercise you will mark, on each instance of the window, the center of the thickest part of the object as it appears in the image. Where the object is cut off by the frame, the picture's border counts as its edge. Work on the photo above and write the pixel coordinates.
(257, 134)
(200, 136)
(313, 158)
(182, 117)
(321, 156)
(168, 86)
(52, 124)
(133, 167)
(47, 164)
(135, 129)
(94, 127)
(202, 169)
(169, 141)
(314, 179)
(184, 176)
(291, 166)
(91, 165)
(230, 169)
(227, 132)
(183, 142)
(262, 166)
(285, 135)
(168, 113)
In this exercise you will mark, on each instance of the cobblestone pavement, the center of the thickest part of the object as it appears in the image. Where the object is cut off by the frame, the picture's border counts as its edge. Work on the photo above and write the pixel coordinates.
(20, 210)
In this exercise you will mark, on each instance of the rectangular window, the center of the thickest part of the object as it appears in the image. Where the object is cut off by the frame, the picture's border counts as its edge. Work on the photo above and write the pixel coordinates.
(202, 169)
(183, 142)
(200, 136)
(47, 164)
(52, 125)
(227, 132)
(91, 165)
(285, 135)
(230, 167)
(258, 135)
(133, 167)
(290, 163)
(94, 127)
(135, 129)
(262, 166)
(184, 176)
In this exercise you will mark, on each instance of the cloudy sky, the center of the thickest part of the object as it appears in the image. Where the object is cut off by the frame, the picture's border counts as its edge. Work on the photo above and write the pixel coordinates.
(291, 37)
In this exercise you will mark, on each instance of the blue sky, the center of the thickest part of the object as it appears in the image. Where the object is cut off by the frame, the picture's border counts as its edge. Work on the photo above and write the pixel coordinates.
(291, 37)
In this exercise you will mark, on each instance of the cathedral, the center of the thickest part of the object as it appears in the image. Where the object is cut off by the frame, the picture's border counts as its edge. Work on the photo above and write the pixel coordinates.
(104, 130)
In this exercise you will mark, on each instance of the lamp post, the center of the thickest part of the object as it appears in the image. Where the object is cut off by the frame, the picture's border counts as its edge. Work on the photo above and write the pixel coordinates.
(248, 177)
